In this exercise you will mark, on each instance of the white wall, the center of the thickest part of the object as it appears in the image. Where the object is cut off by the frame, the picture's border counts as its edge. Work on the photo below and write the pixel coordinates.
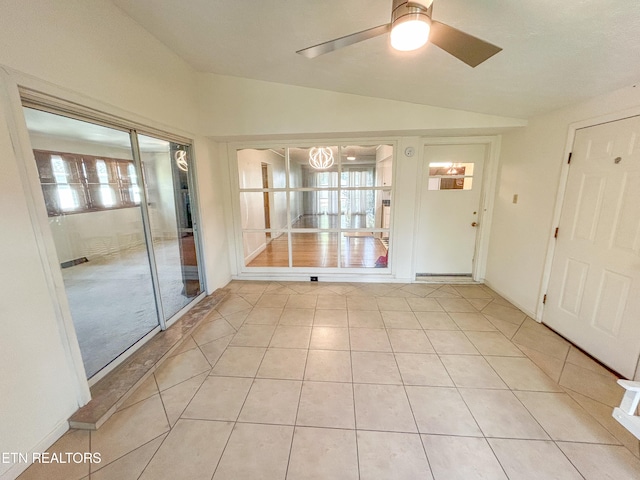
(72, 145)
(239, 108)
(96, 234)
(249, 164)
(530, 166)
(39, 384)
(89, 52)
(93, 48)
(212, 177)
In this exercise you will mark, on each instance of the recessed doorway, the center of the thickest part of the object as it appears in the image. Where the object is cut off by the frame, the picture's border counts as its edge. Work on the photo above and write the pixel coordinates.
(449, 210)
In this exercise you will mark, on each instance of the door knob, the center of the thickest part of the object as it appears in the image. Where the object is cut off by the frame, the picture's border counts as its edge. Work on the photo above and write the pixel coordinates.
(474, 224)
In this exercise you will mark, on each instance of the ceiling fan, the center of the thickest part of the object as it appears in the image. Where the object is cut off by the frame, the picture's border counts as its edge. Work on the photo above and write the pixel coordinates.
(410, 28)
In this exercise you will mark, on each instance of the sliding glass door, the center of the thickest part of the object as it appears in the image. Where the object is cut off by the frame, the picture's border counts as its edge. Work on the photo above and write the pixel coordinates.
(119, 210)
(166, 168)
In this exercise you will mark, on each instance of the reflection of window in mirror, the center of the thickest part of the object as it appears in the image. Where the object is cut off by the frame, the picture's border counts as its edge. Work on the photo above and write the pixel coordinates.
(450, 176)
(80, 183)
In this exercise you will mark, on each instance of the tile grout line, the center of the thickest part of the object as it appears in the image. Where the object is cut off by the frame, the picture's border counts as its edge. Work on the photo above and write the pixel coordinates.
(496, 457)
(568, 459)
(564, 364)
(235, 423)
(406, 394)
(295, 421)
(161, 443)
(353, 393)
(154, 453)
(356, 429)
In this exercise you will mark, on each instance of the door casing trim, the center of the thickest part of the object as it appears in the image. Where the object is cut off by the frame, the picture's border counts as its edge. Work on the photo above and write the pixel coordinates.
(559, 203)
(487, 196)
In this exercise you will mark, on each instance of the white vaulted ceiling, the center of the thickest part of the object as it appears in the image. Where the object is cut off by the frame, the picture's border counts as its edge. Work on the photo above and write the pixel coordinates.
(555, 52)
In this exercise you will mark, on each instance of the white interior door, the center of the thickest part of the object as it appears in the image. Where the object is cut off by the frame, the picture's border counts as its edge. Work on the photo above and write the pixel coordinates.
(593, 297)
(449, 209)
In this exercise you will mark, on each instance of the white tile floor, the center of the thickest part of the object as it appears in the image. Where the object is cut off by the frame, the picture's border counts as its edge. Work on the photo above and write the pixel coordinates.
(370, 381)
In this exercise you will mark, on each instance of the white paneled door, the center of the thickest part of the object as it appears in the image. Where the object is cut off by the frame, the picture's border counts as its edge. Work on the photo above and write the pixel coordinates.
(593, 297)
(449, 212)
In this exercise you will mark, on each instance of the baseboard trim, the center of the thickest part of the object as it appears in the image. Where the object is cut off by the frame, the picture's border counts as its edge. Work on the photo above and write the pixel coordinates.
(17, 469)
(508, 298)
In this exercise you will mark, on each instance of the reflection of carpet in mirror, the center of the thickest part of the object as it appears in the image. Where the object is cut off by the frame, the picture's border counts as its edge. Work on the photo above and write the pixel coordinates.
(112, 302)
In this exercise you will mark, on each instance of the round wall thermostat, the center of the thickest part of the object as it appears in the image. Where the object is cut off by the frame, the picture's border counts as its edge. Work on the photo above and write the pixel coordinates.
(409, 151)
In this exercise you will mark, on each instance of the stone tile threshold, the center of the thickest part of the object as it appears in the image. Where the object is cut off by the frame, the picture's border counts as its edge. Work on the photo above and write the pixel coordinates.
(108, 394)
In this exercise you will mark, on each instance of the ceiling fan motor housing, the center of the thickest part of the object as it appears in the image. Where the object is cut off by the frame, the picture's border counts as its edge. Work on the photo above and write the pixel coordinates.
(404, 11)
(410, 25)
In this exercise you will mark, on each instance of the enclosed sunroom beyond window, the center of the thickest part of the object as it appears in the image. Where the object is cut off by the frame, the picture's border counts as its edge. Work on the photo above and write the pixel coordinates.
(315, 206)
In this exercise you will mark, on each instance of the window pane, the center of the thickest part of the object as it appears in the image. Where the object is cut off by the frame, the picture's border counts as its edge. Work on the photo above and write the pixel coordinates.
(134, 190)
(366, 166)
(362, 208)
(315, 249)
(107, 198)
(303, 174)
(329, 187)
(86, 182)
(166, 166)
(261, 168)
(450, 176)
(358, 166)
(314, 209)
(104, 260)
(266, 210)
(450, 168)
(364, 249)
(265, 249)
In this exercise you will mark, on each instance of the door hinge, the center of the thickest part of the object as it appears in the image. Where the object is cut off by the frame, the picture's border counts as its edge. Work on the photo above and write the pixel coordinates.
(569, 159)
(544, 299)
(555, 235)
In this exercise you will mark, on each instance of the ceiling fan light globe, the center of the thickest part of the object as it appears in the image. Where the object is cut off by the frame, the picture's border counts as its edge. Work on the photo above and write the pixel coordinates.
(409, 34)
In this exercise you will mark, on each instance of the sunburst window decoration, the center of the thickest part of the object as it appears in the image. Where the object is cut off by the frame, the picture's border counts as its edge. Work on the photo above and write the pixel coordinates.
(321, 158)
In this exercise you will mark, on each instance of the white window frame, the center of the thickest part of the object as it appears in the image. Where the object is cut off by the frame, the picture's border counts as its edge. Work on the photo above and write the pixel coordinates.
(338, 273)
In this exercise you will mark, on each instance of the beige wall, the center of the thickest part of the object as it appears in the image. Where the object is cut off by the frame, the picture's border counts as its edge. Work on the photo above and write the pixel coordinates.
(39, 384)
(238, 108)
(93, 48)
(530, 166)
(89, 52)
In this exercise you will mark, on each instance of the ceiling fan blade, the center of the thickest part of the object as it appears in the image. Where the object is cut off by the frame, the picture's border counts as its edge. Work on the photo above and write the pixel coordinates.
(471, 50)
(345, 41)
